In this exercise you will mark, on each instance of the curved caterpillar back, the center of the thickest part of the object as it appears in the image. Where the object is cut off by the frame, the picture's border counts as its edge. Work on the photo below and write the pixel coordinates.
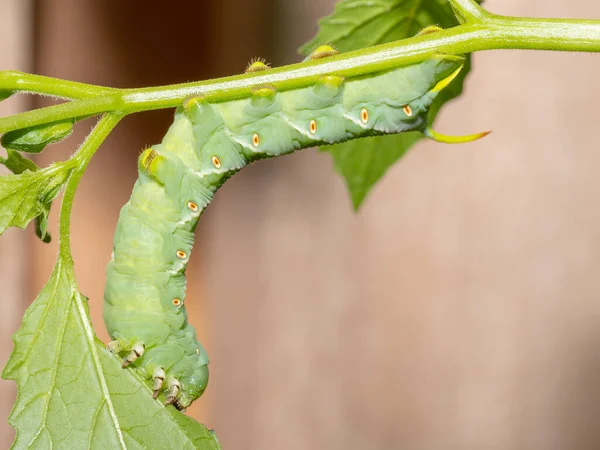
(145, 290)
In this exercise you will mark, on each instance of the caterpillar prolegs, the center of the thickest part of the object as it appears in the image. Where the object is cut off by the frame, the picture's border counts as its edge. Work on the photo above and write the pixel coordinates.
(208, 142)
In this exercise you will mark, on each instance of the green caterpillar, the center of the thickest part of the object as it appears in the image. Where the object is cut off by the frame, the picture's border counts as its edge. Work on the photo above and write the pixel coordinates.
(208, 142)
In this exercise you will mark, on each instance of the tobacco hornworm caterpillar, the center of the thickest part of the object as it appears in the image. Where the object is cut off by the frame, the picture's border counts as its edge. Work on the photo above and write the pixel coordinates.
(208, 142)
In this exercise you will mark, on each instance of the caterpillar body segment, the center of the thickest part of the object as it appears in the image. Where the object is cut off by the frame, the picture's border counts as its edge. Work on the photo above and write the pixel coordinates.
(144, 307)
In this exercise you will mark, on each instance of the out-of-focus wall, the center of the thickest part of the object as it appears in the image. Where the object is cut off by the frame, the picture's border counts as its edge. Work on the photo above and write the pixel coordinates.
(457, 310)
(15, 53)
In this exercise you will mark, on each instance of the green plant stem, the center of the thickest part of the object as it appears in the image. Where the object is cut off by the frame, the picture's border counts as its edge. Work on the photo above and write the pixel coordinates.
(80, 161)
(481, 31)
(12, 80)
(468, 10)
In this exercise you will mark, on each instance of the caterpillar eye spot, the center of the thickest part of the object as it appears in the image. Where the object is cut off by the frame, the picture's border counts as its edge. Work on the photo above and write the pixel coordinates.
(181, 254)
(255, 140)
(176, 302)
(408, 110)
(216, 162)
(313, 126)
(364, 115)
(197, 351)
(192, 206)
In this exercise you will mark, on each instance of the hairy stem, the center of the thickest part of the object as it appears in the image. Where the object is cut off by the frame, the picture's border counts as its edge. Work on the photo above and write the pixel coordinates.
(12, 80)
(102, 129)
(480, 31)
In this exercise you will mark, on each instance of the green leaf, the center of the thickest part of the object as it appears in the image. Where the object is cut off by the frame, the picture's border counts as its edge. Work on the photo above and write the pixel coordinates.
(356, 24)
(41, 229)
(73, 394)
(35, 139)
(362, 23)
(362, 162)
(29, 195)
(4, 94)
(17, 164)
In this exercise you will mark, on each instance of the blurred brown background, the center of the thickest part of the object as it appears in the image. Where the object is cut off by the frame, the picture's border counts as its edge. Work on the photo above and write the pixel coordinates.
(458, 310)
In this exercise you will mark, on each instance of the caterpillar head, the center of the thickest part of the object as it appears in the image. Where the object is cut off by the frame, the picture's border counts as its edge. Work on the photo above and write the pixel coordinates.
(192, 388)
